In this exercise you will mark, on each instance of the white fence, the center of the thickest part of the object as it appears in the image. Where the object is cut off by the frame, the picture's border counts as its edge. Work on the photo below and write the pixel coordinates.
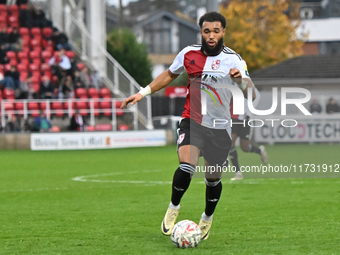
(55, 107)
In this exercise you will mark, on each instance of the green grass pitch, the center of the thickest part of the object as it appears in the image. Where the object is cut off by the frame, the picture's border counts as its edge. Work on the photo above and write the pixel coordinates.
(117, 203)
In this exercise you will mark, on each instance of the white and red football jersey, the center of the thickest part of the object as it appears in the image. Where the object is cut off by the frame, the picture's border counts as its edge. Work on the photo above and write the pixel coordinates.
(205, 72)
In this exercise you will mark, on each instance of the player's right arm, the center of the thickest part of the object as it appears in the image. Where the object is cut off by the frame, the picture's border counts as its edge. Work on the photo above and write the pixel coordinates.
(161, 81)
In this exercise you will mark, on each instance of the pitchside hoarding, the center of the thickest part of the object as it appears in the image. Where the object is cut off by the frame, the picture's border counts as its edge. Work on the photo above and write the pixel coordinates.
(305, 129)
(97, 140)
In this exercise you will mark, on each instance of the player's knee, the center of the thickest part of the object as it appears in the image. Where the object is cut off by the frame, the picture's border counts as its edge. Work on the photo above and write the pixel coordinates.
(212, 182)
(245, 147)
(187, 167)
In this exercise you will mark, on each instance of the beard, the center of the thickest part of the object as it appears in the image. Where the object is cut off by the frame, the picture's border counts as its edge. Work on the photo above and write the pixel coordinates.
(212, 51)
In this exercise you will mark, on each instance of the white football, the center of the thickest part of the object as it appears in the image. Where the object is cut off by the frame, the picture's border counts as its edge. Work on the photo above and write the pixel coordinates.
(186, 234)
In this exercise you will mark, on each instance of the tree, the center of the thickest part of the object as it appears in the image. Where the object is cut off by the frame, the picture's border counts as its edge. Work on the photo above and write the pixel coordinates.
(123, 46)
(261, 32)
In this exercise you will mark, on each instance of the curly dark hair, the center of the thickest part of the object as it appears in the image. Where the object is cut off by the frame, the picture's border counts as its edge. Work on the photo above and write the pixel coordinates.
(211, 17)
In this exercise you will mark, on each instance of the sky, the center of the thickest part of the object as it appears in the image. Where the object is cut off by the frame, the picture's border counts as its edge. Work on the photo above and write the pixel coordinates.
(116, 2)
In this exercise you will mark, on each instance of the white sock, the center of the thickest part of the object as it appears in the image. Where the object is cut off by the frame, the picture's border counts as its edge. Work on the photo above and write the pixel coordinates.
(206, 217)
(172, 206)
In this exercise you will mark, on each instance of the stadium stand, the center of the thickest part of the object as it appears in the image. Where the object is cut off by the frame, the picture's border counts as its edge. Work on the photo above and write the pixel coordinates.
(32, 62)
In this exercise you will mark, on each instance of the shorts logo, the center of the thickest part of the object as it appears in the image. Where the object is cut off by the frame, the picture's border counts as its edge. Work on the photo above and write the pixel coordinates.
(215, 64)
(180, 138)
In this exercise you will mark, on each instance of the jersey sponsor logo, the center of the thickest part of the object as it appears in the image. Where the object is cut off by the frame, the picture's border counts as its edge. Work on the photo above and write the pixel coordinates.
(215, 64)
(209, 93)
(181, 138)
(192, 62)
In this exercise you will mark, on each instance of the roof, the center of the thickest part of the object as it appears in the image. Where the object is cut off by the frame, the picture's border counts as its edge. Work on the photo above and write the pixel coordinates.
(303, 67)
(154, 16)
(319, 30)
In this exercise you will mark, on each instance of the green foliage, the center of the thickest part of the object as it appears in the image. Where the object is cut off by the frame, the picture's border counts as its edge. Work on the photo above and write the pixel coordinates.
(123, 46)
(261, 32)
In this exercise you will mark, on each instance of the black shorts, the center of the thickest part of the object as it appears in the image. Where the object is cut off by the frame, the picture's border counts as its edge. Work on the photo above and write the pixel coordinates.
(214, 144)
(243, 131)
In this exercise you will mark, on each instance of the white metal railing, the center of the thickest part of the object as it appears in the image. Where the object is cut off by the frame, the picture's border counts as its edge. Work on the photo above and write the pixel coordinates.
(92, 107)
(115, 76)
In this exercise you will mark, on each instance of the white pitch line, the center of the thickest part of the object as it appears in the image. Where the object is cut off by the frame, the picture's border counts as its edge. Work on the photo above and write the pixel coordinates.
(31, 190)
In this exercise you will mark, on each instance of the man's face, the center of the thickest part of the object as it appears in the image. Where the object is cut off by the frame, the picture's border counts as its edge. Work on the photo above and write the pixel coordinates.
(212, 37)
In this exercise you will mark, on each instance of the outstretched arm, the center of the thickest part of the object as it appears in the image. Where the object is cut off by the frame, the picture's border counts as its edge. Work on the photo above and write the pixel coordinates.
(158, 83)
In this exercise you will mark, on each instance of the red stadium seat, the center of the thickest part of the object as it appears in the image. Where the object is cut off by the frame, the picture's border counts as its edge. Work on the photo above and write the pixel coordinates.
(45, 67)
(26, 40)
(43, 105)
(119, 112)
(93, 93)
(26, 49)
(58, 107)
(34, 67)
(25, 61)
(22, 68)
(13, 9)
(106, 107)
(47, 32)
(11, 54)
(13, 62)
(66, 106)
(123, 127)
(13, 21)
(46, 55)
(48, 74)
(35, 42)
(81, 93)
(22, 55)
(103, 127)
(34, 54)
(49, 48)
(90, 128)
(3, 8)
(23, 75)
(80, 66)
(34, 108)
(18, 106)
(9, 94)
(54, 129)
(7, 67)
(36, 61)
(3, 19)
(36, 87)
(82, 107)
(35, 31)
(24, 31)
(118, 104)
(9, 106)
(105, 93)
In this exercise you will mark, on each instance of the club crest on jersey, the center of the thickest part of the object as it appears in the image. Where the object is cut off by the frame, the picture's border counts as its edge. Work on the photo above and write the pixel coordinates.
(180, 138)
(215, 64)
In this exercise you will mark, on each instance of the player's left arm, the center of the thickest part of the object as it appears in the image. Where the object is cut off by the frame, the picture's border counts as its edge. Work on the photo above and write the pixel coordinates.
(240, 75)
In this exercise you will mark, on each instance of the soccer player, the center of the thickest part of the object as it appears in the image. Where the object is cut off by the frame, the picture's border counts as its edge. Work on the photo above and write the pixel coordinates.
(208, 66)
(241, 128)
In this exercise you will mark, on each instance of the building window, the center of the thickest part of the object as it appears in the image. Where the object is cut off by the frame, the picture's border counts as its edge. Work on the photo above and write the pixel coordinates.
(157, 36)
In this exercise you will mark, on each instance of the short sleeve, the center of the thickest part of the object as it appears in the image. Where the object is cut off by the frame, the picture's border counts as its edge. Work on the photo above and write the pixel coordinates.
(242, 66)
(177, 66)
